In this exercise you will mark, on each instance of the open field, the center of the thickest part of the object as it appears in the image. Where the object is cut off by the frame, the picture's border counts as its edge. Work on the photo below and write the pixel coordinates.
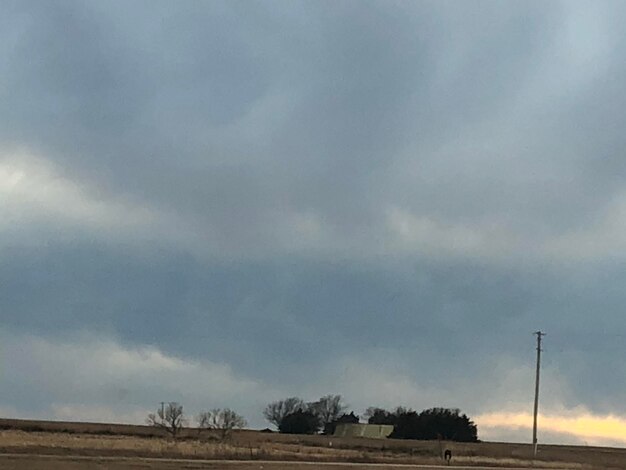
(23, 462)
(33, 462)
(31, 445)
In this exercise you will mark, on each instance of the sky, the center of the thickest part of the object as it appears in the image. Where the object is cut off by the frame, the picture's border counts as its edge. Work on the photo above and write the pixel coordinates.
(229, 203)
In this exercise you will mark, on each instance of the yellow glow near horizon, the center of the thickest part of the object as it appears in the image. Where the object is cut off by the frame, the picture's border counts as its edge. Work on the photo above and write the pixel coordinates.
(581, 424)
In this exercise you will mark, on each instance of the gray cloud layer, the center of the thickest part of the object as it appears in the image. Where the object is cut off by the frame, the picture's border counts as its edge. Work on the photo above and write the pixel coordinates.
(289, 186)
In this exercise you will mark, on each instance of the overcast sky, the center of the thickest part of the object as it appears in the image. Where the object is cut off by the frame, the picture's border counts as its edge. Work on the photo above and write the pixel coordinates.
(228, 203)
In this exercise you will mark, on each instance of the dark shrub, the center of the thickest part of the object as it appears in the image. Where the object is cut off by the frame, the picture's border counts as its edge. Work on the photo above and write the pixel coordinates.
(300, 422)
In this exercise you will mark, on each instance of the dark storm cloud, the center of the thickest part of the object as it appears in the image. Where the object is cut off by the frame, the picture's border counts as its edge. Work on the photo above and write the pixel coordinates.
(288, 185)
(444, 320)
(162, 102)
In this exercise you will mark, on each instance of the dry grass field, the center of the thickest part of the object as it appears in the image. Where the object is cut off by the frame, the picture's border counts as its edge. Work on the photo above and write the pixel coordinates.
(22, 462)
(25, 445)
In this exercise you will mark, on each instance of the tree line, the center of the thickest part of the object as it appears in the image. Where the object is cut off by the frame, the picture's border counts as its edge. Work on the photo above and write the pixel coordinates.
(295, 416)
(433, 423)
(171, 418)
(292, 415)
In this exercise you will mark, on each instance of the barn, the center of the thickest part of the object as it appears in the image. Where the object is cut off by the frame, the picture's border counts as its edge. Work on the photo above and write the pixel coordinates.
(379, 431)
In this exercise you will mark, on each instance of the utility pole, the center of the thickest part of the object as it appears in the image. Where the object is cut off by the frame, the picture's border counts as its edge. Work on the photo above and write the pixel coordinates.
(539, 335)
(162, 412)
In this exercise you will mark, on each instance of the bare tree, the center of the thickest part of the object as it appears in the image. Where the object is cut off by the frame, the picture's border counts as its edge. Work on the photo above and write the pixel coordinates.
(169, 418)
(223, 421)
(275, 412)
(327, 409)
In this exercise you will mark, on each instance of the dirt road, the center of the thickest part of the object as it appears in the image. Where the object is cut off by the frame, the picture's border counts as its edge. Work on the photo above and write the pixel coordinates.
(44, 462)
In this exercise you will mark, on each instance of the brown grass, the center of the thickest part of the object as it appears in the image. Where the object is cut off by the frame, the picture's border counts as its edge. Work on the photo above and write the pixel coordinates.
(89, 439)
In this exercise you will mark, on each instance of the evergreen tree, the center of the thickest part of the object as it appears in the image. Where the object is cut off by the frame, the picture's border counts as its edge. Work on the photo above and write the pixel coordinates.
(300, 422)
